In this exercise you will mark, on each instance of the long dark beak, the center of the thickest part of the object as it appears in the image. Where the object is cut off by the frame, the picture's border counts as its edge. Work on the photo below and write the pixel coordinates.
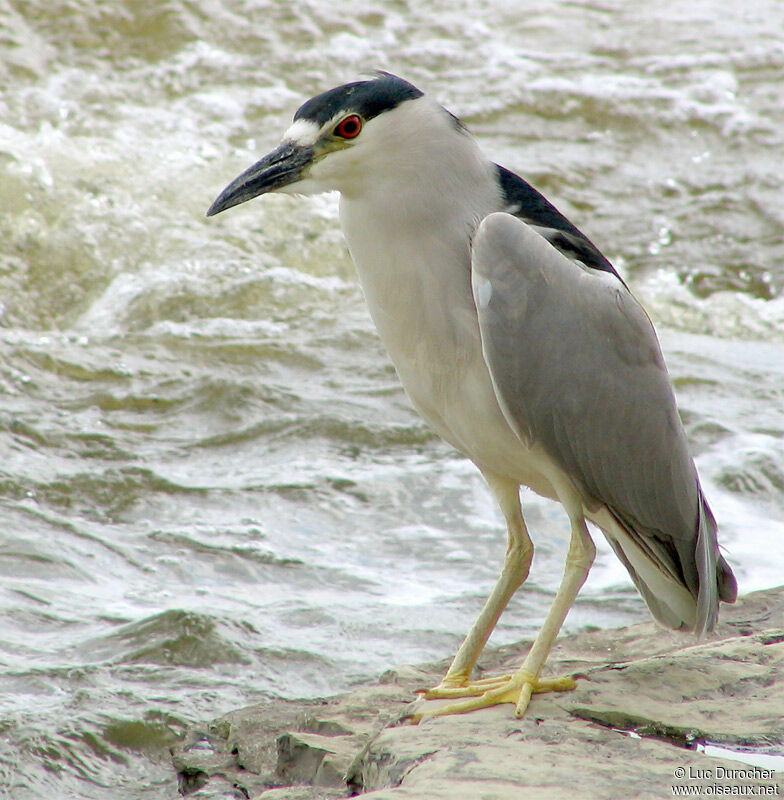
(279, 168)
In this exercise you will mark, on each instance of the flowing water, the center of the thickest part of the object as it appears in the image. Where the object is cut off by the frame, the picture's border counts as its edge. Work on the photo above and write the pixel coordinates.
(212, 488)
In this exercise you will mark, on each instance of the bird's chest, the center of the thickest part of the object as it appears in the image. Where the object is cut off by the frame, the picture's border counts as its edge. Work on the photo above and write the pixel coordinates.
(418, 290)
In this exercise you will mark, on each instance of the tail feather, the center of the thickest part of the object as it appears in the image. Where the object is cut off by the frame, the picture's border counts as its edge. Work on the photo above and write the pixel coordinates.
(681, 582)
(706, 555)
(670, 602)
(728, 586)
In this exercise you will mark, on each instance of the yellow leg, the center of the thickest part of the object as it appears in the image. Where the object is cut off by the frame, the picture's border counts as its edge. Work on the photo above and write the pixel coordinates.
(518, 687)
(517, 562)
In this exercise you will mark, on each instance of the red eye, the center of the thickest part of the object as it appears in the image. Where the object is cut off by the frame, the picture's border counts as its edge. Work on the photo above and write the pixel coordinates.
(349, 126)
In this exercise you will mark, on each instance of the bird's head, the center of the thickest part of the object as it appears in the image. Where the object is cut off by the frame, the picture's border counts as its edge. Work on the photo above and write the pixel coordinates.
(347, 138)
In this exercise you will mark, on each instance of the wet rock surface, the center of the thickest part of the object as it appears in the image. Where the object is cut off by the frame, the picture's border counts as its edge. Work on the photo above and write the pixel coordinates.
(646, 698)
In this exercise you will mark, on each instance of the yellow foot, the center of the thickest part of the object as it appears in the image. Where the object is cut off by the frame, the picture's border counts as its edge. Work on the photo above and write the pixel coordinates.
(516, 688)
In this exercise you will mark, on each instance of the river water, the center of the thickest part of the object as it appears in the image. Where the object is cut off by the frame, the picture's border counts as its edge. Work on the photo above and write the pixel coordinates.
(212, 488)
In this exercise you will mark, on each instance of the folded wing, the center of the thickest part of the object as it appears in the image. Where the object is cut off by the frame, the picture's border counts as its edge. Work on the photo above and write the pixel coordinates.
(577, 369)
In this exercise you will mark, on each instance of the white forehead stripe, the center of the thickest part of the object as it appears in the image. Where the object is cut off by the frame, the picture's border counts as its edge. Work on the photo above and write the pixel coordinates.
(303, 132)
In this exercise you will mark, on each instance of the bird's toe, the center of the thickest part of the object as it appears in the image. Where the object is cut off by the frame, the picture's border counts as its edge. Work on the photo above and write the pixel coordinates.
(516, 689)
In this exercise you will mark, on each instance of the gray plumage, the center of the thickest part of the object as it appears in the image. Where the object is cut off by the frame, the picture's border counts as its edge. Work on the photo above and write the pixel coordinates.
(574, 361)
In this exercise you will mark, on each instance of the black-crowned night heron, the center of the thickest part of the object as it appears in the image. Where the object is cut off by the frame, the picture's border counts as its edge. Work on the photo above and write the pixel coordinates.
(519, 343)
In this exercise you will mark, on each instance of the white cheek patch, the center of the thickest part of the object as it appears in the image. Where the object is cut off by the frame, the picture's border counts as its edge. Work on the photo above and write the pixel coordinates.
(302, 132)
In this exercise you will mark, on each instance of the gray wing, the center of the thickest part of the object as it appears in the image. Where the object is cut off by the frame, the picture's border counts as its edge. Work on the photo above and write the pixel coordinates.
(577, 369)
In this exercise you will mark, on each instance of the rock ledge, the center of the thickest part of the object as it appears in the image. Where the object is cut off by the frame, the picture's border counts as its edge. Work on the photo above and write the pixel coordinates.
(646, 699)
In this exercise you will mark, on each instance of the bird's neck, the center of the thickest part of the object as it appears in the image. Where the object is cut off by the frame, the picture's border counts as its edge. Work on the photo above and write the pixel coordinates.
(410, 240)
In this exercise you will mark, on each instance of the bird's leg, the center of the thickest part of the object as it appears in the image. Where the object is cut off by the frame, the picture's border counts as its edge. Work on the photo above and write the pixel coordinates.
(517, 562)
(518, 687)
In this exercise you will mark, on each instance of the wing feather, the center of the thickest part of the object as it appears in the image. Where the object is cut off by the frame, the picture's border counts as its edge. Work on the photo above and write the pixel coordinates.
(533, 208)
(577, 368)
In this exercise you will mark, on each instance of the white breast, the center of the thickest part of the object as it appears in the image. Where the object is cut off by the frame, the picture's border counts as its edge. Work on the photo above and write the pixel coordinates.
(412, 193)
(417, 283)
